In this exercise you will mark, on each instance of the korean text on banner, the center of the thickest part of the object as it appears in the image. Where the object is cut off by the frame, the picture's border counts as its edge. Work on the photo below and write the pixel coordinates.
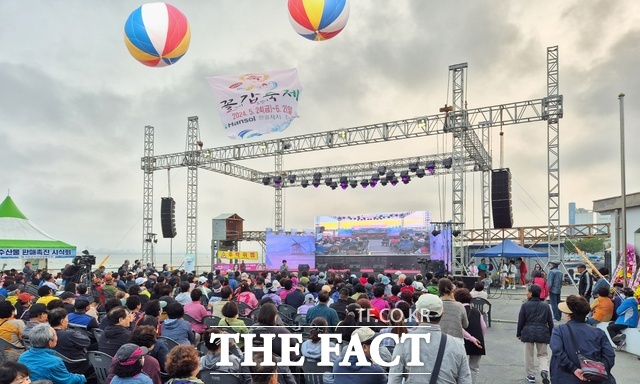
(256, 104)
(238, 255)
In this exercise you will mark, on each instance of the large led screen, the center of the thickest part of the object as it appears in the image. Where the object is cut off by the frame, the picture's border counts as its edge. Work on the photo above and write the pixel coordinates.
(389, 233)
(295, 249)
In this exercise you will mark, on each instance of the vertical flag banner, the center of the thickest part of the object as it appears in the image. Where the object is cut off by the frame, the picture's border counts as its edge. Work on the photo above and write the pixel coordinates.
(256, 104)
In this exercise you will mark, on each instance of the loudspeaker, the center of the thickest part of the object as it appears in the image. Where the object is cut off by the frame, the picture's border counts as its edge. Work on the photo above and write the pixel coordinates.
(303, 267)
(354, 268)
(378, 268)
(322, 267)
(501, 198)
(168, 217)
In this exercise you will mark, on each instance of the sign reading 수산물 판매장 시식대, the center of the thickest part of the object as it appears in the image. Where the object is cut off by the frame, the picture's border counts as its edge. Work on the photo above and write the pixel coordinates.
(355, 348)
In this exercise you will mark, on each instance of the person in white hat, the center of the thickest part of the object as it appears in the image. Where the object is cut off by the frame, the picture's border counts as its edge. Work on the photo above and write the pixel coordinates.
(372, 374)
(454, 367)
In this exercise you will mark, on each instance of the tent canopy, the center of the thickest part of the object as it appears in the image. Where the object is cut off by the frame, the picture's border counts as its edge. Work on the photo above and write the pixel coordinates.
(508, 249)
(20, 238)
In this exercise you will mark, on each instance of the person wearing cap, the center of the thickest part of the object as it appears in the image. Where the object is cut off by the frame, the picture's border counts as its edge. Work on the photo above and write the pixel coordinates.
(590, 341)
(109, 287)
(71, 343)
(11, 330)
(309, 302)
(79, 315)
(22, 305)
(535, 324)
(41, 360)
(585, 284)
(554, 281)
(46, 295)
(128, 367)
(12, 293)
(37, 315)
(455, 365)
(352, 374)
(271, 292)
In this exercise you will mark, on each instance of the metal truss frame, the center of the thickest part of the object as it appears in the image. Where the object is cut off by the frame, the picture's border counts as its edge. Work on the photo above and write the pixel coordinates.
(147, 195)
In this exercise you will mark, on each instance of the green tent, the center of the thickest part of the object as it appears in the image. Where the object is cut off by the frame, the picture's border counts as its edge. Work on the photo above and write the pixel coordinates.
(21, 239)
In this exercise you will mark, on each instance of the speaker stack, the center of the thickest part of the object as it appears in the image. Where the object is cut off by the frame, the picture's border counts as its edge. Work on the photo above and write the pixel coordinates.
(501, 198)
(168, 217)
(303, 268)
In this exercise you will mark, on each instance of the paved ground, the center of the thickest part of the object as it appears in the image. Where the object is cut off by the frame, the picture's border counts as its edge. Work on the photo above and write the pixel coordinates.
(504, 362)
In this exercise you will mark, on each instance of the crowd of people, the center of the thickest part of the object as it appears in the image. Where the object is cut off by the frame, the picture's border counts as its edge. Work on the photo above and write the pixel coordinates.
(159, 326)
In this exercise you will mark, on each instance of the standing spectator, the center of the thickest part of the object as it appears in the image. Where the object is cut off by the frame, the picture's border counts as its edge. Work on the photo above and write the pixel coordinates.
(591, 342)
(473, 269)
(554, 280)
(117, 333)
(503, 270)
(28, 272)
(455, 365)
(197, 311)
(535, 324)
(41, 360)
(512, 274)
(127, 368)
(523, 272)
(124, 268)
(627, 318)
(603, 281)
(482, 268)
(602, 307)
(11, 330)
(454, 318)
(176, 328)
(585, 284)
(183, 365)
(474, 343)
(540, 281)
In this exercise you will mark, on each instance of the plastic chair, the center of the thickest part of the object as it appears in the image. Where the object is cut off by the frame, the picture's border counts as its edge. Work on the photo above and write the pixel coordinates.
(4, 344)
(190, 319)
(288, 313)
(244, 309)
(313, 373)
(247, 321)
(169, 342)
(80, 328)
(484, 306)
(215, 377)
(97, 333)
(68, 360)
(202, 348)
(211, 321)
(253, 315)
(101, 363)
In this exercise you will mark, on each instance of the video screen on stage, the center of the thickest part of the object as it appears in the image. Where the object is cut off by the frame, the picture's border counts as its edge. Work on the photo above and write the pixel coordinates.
(388, 233)
(440, 245)
(295, 249)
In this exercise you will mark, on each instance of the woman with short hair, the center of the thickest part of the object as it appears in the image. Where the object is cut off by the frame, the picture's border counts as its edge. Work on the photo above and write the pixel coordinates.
(183, 365)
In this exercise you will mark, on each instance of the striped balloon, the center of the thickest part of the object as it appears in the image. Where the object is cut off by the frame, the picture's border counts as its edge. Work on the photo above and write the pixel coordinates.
(318, 19)
(157, 34)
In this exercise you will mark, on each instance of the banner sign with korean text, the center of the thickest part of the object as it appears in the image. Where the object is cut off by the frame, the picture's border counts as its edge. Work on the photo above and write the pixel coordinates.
(40, 253)
(256, 104)
(238, 255)
(236, 267)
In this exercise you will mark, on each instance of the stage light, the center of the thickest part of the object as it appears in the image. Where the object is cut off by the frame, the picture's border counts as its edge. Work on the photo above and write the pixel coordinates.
(292, 179)
(394, 181)
(364, 183)
(448, 162)
(328, 181)
(384, 182)
(435, 232)
(374, 179)
(304, 183)
(404, 176)
(420, 173)
(266, 180)
(317, 176)
(333, 184)
(344, 181)
(413, 167)
(456, 233)
(382, 170)
(353, 183)
(315, 183)
(431, 166)
(390, 175)
(286, 145)
(277, 181)
(343, 186)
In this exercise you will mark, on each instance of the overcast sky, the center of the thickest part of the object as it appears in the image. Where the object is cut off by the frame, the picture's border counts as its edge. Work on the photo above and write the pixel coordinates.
(74, 104)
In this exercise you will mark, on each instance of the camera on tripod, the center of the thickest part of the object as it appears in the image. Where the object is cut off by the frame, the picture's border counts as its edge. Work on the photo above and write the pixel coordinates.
(84, 260)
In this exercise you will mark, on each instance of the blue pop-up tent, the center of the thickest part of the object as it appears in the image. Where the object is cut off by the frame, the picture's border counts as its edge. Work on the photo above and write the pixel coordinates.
(509, 249)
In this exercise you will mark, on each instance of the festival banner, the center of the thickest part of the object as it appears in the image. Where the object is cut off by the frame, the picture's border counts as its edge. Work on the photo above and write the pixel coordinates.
(256, 104)
(238, 255)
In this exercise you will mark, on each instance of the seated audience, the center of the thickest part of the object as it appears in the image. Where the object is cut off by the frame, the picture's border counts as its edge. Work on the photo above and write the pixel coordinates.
(601, 308)
(11, 330)
(71, 344)
(41, 360)
(183, 365)
(37, 315)
(128, 365)
(12, 372)
(80, 317)
(176, 328)
(209, 361)
(117, 333)
(197, 311)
